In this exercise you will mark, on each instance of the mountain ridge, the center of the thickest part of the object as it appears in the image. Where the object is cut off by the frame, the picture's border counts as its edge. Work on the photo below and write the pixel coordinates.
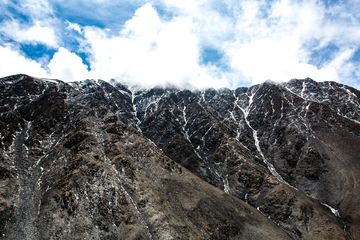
(243, 97)
(270, 145)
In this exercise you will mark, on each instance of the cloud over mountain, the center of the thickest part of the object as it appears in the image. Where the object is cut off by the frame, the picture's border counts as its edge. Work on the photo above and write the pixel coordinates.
(204, 43)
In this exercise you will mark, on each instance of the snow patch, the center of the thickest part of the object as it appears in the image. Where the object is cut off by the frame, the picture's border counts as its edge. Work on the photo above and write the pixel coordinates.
(333, 210)
(226, 184)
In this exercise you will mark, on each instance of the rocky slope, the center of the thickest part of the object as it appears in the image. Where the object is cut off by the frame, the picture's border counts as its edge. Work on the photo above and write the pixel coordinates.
(290, 150)
(70, 169)
(100, 160)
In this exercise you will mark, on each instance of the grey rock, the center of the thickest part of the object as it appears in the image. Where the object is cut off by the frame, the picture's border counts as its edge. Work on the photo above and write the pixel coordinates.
(71, 169)
(298, 134)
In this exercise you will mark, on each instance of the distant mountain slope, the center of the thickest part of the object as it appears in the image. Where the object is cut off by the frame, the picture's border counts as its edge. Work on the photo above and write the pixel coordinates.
(290, 150)
(70, 169)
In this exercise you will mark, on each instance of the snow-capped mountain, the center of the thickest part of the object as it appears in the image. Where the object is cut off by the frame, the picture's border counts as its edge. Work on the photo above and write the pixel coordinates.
(290, 150)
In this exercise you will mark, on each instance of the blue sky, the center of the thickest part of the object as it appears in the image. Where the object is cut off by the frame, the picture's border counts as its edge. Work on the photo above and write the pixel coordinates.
(205, 43)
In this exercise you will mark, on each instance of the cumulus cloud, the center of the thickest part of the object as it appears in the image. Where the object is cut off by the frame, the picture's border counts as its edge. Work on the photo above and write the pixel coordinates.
(279, 43)
(148, 51)
(170, 41)
(64, 65)
(67, 66)
(11, 62)
(259, 41)
(274, 40)
(279, 61)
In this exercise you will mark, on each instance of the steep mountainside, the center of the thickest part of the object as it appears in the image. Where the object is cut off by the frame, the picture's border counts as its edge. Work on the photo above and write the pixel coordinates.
(290, 150)
(99, 160)
(70, 169)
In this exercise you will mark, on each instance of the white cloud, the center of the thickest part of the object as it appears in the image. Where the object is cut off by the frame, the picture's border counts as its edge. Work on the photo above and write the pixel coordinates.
(279, 46)
(256, 40)
(11, 62)
(144, 25)
(343, 66)
(278, 61)
(36, 8)
(39, 34)
(263, 40)
(34, 34)
(67, 66)
(64, 65)
(342, 58)
(73, 26)
(148, 51)
(276, 44)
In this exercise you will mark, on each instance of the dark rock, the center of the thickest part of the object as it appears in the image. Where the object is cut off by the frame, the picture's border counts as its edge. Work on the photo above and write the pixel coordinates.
(236, 139)
(70, 169)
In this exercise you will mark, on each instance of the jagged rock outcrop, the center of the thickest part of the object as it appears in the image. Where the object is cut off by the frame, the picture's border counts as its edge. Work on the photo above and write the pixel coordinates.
(70, 169)
(290, 150)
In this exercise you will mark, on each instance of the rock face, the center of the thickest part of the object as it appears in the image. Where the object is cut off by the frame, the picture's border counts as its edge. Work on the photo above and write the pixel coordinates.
(282, 148)
(99, 160)
(70, 169)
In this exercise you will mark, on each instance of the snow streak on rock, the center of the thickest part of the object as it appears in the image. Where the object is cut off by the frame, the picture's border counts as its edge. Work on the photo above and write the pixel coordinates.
(333, 210)
(246, 112)
(137, 120)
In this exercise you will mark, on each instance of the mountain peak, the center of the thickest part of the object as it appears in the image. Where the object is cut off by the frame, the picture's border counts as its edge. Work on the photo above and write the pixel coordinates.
(149, 163)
